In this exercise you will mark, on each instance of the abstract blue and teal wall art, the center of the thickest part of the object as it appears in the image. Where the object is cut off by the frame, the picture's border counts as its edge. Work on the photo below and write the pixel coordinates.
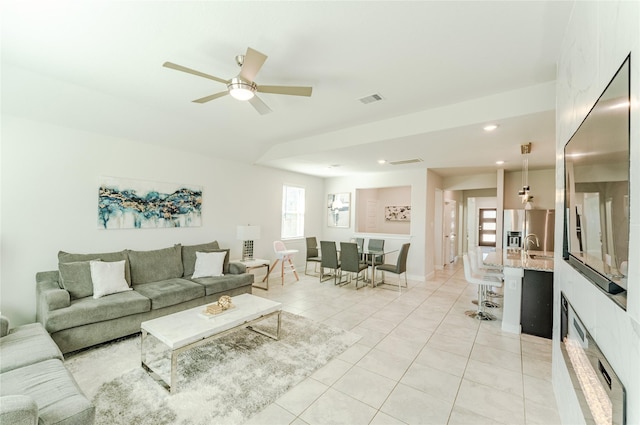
(139, 204)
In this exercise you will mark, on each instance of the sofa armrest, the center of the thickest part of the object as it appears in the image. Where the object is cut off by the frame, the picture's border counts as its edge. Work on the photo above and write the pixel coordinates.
(56, 299)
(49, 297)
(237, 268)
(18, 410)
(4, 326)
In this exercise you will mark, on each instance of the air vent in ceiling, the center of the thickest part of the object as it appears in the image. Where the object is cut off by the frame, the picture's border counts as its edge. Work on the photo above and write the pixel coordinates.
(376, 97)
(405, 161)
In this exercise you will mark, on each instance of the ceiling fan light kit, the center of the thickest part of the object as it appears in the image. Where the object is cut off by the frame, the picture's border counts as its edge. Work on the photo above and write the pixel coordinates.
(241, 90)
(242, 87)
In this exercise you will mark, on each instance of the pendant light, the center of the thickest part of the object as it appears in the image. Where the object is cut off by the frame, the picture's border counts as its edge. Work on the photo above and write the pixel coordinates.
(524, 194)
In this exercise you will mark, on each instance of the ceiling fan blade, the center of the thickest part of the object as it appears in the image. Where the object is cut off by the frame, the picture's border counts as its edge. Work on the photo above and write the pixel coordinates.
(194, 72)
(290, 90)
(260, 106)
(211, 97)
(253, 61)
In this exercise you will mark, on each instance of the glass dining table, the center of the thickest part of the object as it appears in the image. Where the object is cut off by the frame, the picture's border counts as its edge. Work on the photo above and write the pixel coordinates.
(374, 257)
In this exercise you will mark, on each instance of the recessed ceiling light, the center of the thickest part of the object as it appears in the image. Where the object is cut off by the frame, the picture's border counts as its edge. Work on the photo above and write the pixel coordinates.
(499, 162)
(382, 161)
(490, 127)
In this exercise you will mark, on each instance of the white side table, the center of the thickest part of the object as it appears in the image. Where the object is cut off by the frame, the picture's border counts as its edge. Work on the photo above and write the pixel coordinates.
(257, 263)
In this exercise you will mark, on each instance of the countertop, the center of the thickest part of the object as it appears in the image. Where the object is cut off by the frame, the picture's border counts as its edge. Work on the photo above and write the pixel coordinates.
(517, 258)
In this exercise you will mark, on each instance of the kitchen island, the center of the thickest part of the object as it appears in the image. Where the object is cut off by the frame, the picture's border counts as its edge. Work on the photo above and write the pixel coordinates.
(528, 290)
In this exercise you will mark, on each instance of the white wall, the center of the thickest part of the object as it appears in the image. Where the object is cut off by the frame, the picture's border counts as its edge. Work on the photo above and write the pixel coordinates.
(467, 182)
(433, 231)
(49, 201)
(542, 184)
(598, 38)
(416, 263)
(384, 196)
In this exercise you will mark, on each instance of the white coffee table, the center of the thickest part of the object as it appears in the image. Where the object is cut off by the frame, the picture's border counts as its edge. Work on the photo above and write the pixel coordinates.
(187, 329)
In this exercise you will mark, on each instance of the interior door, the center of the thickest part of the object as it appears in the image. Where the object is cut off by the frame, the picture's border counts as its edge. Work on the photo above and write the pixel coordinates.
(449, 231)
(487, 226)
(372, 216)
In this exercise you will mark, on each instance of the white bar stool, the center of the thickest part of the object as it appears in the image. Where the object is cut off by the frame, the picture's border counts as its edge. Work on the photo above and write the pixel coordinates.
(483, 282)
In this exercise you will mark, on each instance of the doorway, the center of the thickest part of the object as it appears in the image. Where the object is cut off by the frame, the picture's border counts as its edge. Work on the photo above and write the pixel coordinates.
(487, 226)
(449, 231)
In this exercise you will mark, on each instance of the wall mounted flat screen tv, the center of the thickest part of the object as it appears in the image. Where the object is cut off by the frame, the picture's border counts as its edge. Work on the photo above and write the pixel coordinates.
(596, 160)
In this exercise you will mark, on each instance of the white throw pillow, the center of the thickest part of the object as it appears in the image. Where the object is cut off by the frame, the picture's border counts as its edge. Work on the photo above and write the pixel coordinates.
(108, 278)
(209, 264)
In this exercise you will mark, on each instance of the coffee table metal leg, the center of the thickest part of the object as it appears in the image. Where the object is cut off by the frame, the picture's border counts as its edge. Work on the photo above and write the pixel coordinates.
(261, 332)
(174, 371)
(170, 386)
(143, 336)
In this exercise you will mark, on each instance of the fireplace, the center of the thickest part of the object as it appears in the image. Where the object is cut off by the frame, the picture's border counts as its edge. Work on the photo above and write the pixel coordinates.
(601, 394)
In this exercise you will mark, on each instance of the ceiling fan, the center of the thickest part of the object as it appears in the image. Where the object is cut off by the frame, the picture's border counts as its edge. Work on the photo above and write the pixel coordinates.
(243, 86)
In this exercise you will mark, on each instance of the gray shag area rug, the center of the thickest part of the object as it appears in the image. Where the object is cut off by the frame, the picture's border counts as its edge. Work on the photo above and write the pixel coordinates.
(225, 382)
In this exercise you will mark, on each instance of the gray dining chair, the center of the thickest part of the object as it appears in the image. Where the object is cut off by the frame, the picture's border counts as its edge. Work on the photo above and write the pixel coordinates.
(375, 245)
(313, 255)
(329, 260)
(350, 262)
(399, 268)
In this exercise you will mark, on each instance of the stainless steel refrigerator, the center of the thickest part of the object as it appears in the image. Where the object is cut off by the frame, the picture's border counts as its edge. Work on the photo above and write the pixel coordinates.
(535, 228)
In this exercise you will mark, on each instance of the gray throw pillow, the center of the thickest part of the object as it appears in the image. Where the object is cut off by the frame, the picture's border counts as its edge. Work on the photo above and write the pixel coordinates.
(75, 278)
(66, 257)
(189, 255)
(155, 265)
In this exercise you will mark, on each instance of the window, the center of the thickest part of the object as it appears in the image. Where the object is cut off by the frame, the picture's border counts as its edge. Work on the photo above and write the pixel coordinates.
(292, 212)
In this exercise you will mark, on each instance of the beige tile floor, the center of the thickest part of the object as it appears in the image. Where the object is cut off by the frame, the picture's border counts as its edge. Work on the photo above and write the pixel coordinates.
(420, 360)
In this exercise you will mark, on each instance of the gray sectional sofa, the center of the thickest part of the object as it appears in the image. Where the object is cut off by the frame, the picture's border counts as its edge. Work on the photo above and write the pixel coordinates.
(162, 284)
(35, 386)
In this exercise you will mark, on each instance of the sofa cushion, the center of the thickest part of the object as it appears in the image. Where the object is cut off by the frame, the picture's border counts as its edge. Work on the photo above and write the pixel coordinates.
(54, 390)
(18, 410)
(155, 265)
(25, 345)
(189, 255)
(66, 257)
(218, 284)
(75, 277)
(170, 292)
(89, 310)
(108, 278)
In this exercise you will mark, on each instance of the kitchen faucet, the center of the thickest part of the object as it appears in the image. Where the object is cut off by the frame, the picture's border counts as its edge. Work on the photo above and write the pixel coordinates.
(527, 241)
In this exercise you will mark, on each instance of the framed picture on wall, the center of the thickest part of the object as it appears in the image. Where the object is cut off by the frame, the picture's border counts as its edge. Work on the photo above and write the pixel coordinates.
(397, 213)
(140, 204)
(339, 209)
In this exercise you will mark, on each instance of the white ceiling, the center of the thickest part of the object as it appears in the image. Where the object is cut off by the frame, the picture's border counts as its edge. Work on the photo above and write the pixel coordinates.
(444, 70)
